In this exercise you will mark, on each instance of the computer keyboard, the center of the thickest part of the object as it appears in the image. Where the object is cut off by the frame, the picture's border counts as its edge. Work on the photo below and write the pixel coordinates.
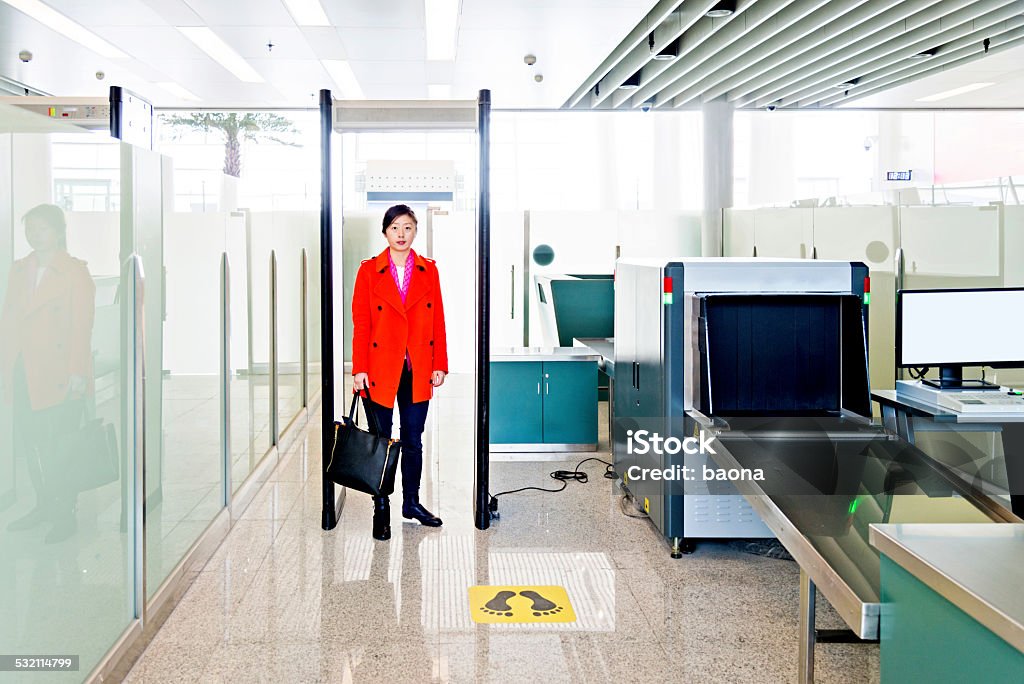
(981, 402)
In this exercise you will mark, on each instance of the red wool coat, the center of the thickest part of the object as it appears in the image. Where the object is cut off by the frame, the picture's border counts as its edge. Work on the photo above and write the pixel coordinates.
(384, 328)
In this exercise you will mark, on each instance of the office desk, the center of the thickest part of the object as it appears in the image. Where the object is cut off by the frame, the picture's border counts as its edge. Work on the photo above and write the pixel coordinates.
(907, 417)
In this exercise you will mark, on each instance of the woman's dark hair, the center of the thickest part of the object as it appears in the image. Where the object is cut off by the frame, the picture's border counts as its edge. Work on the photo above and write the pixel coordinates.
(396, 211)
(51, 216)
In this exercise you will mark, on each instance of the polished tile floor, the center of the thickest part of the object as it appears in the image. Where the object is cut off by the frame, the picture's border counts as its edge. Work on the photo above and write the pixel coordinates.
(284, 601)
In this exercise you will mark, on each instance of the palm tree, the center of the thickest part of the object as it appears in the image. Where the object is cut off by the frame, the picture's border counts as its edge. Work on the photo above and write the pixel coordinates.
(234, 127)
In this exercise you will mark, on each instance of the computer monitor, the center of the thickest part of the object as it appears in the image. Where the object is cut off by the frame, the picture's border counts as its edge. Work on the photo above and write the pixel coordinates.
(951, 329)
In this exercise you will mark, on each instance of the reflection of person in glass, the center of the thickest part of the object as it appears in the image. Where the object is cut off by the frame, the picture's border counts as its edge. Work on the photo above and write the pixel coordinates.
(46, 363)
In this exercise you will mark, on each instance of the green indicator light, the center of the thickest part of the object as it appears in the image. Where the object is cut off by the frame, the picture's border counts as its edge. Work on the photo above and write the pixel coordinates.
(666, 298)
(867, 298)
(854, 505)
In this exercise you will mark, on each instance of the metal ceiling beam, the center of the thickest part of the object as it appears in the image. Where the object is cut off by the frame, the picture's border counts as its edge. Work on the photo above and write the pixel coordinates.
(787, 27)
(970, 44)
(888, 25)
(686, 18)
(756, 16)
(640, 57)
(692, 39)
(957, 25)
(635, 37)
(772, 58)
(1004, 41)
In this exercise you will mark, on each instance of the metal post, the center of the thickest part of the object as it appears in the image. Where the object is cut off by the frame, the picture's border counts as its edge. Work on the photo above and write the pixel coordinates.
(275, 427)
(137, 406)
(481, 509)
(225, 376)
(304, 333)
(329, 517)
(807, 597)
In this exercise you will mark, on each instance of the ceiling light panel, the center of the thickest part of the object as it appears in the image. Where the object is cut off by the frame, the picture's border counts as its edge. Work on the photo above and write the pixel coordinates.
(307, 12)
(51, 18)
(946, 94)
(442, 26)
(343, 76)
(178, 91)
(219, 51)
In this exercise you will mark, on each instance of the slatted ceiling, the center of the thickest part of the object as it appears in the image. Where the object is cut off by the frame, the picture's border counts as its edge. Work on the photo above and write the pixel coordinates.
(658, 14)
(792, 53)
(759, 23)
(835, 16)
(672, 29)
(838, 35)
(894, 51)
(1006, 41)
(951, 51)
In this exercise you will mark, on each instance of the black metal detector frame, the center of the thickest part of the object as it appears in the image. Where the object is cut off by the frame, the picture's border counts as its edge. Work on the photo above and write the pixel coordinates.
(481, 480)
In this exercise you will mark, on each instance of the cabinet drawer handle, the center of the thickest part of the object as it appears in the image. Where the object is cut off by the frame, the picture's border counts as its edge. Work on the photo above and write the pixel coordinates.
(538, 388)
(547, 388)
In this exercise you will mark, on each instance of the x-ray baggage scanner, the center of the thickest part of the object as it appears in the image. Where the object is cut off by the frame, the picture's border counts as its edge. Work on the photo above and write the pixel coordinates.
(699, 340)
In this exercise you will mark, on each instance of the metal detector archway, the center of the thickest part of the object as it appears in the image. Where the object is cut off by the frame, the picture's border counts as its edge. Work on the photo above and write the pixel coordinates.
(365, 115)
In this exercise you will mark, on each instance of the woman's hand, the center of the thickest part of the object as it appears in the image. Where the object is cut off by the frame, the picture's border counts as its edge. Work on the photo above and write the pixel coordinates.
(437, 378)
(360, 381)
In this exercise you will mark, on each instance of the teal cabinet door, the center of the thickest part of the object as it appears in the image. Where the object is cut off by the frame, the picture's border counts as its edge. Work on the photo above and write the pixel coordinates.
(516, 402)
(570, 402)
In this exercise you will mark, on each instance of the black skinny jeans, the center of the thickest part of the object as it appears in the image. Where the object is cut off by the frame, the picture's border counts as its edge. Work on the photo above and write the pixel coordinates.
(412, 417)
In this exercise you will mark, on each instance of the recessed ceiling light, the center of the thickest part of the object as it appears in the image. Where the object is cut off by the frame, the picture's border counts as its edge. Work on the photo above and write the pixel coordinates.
(631, 83)
(924, 54)
(210, 43)
(342, 74)
(178, 91)
(51, 18)
(722, 9)
(954, 92)
(307, 12)
(669, 52)
(846, 85)
(442, 23)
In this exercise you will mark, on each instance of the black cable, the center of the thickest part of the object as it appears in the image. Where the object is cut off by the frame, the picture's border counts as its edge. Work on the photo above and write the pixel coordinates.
(918, 373)
(622, 507)
(563, 476)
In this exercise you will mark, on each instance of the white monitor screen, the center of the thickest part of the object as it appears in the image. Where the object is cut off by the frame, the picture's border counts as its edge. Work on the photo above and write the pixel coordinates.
(960, 327)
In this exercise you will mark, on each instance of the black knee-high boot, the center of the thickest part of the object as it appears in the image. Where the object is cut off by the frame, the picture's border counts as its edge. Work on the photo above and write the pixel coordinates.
(381, 518)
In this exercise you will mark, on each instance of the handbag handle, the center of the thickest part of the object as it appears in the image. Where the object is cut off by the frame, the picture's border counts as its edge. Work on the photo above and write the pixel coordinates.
(371, 418)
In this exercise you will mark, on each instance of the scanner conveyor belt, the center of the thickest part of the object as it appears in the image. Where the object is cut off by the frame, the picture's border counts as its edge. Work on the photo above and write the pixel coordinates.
(825, 481)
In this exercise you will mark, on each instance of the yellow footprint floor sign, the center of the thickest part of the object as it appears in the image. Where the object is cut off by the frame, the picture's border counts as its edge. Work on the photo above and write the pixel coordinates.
(508, 605)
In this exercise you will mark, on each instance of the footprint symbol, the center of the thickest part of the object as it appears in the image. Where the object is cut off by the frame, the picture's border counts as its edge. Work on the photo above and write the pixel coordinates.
(499, 604)
(541, 606)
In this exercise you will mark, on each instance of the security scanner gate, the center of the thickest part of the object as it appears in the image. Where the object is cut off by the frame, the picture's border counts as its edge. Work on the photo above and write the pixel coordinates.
(762, 365)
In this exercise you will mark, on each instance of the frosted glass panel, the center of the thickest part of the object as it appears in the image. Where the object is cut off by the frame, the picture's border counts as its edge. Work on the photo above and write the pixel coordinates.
(951, 241)
(67, 453)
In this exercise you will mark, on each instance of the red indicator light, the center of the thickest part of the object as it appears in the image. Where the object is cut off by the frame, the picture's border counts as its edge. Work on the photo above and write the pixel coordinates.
(867, 284)
(667, 287)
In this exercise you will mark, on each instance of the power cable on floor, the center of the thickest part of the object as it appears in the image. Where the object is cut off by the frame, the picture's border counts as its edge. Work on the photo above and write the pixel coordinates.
(563, 476)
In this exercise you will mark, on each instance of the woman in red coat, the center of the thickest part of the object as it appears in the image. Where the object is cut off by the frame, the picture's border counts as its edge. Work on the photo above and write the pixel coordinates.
(399, 353)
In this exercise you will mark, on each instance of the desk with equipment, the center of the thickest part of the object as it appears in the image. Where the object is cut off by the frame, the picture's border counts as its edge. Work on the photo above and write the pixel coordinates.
(953, 329)
(769, 358)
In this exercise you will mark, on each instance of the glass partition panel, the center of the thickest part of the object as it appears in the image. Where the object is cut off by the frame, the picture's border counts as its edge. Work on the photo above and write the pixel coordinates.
(314, 375)
(244, 454)
(67, 456)
(189, 472)
(289, 237)
(260, 244)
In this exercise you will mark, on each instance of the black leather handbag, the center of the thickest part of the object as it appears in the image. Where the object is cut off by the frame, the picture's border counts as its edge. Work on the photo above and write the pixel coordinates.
(362, 460)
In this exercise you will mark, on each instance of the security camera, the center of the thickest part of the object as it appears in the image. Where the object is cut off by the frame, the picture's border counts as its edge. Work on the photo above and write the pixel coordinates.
(25, 56)
(770, 108)
(100, 75)
(868, 144)
(645, 107)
